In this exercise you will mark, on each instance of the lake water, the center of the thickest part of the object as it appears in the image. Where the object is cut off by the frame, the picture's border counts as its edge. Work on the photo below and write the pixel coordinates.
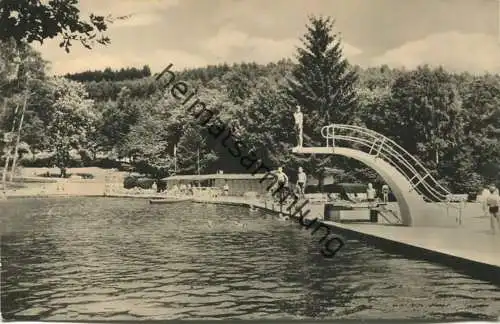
(105, 259)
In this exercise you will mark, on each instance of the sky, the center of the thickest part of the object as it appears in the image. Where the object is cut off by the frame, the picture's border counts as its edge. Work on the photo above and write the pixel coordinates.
(461, 35)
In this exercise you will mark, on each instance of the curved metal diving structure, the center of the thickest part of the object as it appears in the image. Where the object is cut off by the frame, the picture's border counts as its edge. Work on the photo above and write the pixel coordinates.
(412, 184)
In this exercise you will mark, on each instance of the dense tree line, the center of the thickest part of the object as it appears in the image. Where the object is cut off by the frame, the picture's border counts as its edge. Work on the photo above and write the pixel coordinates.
(449, 121)
(110, 75)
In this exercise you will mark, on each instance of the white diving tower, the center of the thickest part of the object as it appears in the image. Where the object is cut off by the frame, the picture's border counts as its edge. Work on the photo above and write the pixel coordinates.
(422, 200)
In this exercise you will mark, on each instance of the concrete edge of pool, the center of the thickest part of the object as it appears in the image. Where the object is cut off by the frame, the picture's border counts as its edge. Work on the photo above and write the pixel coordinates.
(475, 269)
(463, 264)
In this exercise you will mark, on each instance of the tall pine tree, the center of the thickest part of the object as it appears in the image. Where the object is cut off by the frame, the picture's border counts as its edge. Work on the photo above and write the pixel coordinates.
(323, 81)
(323, 84)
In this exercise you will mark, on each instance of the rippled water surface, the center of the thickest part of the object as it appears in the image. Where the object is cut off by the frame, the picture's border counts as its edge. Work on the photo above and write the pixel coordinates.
(104, 259)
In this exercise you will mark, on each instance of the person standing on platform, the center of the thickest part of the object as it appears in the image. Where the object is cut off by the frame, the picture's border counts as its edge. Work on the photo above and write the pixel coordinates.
(301, 182)
(299, 121)
(493, 201)
(370, 193)
(282, 182)
(385, 193)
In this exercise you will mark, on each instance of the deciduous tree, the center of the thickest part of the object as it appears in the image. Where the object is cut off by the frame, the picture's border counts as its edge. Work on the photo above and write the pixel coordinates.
(72, 120)
(27, 21)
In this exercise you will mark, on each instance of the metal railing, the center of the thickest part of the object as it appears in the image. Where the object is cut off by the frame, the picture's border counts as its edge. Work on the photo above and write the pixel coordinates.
(373, 143)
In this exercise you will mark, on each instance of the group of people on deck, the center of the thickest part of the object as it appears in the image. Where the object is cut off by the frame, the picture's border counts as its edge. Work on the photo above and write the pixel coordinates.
(189, 189)
(282, 184)
(298, 190)
(182, 189)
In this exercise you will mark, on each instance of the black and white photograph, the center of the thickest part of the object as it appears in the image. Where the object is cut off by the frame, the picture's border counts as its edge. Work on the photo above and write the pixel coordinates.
(249, 160)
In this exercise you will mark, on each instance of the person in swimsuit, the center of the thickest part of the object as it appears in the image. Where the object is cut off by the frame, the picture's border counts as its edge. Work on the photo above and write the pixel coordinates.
(301, 182)
(385, 193)
(281, 183)
(493, 201)
(482, 199)
(299, 121)
(370, 193)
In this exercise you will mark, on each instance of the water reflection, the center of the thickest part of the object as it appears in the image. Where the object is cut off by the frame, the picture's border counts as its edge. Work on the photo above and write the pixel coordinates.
(97, 259)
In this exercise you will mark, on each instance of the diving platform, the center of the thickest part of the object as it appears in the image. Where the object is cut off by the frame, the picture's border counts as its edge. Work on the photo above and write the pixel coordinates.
(422, 200)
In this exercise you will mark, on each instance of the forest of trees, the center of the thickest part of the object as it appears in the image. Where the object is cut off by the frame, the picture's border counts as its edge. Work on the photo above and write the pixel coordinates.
(449, 121)
(109, 75)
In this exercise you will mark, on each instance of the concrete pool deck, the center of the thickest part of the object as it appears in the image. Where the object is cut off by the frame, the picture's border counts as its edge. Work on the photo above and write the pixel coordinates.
(458, 242)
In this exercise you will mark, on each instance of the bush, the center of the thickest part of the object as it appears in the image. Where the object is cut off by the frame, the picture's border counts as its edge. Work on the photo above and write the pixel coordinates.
(143, 167)
(126, 167)
(130, 182)
(44, 162)
(106, 163)
(48, 162)
(145, 183)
